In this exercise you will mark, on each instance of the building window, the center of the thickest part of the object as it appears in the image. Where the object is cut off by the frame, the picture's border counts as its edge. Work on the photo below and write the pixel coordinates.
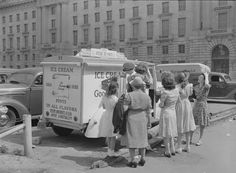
(109, 2)
(75, 37)
(17, 28)
(164, 62)
(18, 57)
(150, 9)
(181, 27)
(135, 30)
(122, 13)
(74, 20)
(165, 50)
(25, 27)
(33, 57)
(33, 26)
(97, 3)
(11, 42)
(26, 58)
(53, 10)
(18, 43)
(122, 50)
(165, 7)
(135, 51)
(149, 50)
(26, 66)
(33, 14)
(223, 3)
(86, 19)
(53, 35)
(86, 35)
(182, 5)
(165, 28)
(135, 12)
(122, 32)
(10, 29)
(85, 4)
(97, 35)
(181, 48)
(33, 41)
(26, 42)
(10, 18)
(18, 66)
(11, 58)
(222, 20)
(25, 15)
(3, 30)
(97, 17)
(109, 15)
(149, 30)
(74, 7)
(181, 61)
(3, 19)
(109, 33)
(17, 17)
(3, 44)
(4, 59)
(122, 1)
(53, 23)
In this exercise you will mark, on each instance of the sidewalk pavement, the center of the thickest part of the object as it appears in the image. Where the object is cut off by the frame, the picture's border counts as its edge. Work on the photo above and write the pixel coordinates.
(218, 112)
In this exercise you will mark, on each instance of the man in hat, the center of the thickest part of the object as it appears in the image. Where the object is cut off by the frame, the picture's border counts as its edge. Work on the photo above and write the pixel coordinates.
(128, 69)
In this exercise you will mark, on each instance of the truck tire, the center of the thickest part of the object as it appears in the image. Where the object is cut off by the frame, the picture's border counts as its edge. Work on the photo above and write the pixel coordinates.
(8, 119)
(62, 131)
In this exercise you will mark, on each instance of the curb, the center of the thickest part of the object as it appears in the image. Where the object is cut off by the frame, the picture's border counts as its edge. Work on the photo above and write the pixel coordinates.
(216, 117)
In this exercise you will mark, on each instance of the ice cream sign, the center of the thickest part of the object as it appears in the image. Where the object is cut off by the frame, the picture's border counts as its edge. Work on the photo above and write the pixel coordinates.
(62, 91)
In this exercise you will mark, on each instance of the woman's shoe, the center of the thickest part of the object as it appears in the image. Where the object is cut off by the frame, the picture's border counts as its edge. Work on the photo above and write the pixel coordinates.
(132, 164)
(167, 154)
(199, 143)
(186, 149)
(173, 154)
(141, 162)
(179, 150)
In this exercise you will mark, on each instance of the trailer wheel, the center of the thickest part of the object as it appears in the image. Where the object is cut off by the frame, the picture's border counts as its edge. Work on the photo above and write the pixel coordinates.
(8, 119)
(62, 131)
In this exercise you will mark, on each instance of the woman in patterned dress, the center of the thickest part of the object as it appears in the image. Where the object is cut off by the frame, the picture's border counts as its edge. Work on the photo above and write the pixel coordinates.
(200, 106)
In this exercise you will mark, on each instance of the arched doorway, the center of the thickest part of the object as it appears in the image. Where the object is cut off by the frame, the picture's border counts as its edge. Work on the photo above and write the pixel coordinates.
(220, 59)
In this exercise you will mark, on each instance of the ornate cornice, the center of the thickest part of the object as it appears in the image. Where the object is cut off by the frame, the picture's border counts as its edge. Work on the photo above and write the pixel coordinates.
(13, 3)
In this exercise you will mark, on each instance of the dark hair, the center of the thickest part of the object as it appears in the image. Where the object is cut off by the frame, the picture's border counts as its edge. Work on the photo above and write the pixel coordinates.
(167, 80)
(180, 77)
(112, 88)
(141, 68)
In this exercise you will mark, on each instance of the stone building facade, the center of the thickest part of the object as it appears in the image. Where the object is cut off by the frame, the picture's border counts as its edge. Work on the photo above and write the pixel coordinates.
(163, 31)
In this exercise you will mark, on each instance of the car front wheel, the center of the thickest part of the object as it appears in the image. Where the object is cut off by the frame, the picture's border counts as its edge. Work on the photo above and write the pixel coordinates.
(8, 119)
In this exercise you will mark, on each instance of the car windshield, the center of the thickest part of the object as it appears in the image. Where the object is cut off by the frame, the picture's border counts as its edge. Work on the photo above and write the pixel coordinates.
(21, 78)
(227, 78)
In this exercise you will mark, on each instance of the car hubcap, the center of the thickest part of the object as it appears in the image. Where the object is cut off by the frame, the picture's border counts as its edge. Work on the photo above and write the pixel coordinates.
(4, 119)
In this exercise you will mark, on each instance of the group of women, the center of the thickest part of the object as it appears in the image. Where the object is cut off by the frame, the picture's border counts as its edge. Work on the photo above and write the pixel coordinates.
(177, 117)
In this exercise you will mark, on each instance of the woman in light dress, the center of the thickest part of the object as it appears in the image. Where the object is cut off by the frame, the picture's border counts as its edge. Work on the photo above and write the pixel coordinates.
(168, 126)
(184, 113)
(200, 106)
(106, 127)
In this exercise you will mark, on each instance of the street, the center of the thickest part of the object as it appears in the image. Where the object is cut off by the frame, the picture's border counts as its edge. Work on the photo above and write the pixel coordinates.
(216, 155)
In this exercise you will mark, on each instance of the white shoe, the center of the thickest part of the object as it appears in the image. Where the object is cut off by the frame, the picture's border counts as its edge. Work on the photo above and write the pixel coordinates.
(179, 150)
(186, 149)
